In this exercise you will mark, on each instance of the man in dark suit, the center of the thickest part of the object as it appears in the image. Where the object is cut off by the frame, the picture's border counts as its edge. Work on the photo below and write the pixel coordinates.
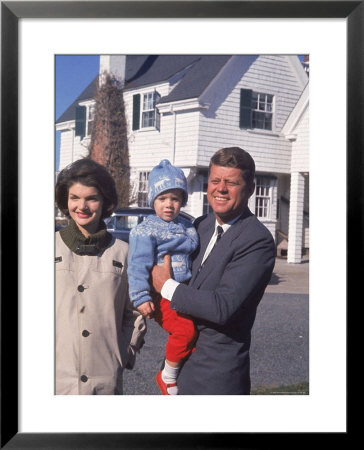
(230, 271)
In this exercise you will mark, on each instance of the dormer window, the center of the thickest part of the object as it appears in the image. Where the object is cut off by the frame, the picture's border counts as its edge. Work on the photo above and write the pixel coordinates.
(90, 119)
(85, 116)
(145, 112)
(256, 110)
(148, 111)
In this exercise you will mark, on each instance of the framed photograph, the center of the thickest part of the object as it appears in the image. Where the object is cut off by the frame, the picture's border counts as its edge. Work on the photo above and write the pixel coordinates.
(31, 416)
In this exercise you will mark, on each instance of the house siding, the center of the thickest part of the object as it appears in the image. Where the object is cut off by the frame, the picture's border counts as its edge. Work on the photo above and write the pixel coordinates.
(72, 148)
(176, 139)
(297, 130)
(220, 127)
(300, 147)
(283, 197)
(300, 162)
(296, 235)
(146, 146)
(192, 131)
(195, 196)
(187, 131)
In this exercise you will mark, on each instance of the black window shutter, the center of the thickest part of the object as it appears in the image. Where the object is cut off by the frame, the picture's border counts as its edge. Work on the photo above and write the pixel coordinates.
(245, 108)
(136, 112)
(80, 121)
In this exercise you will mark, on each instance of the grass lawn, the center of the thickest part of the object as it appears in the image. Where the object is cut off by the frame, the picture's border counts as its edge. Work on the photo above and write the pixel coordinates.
(294, 389)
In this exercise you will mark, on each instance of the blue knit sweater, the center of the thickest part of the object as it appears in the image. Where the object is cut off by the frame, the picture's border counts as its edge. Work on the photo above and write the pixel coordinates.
(148, 243)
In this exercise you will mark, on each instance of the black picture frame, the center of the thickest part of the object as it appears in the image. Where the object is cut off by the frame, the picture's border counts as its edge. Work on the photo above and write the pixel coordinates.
(11, 12)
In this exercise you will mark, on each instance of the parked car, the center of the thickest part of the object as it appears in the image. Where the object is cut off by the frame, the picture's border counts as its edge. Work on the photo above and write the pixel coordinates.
(59, 226)
(123, 220)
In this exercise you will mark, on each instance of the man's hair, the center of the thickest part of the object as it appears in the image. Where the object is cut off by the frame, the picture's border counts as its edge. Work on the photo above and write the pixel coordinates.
(237, 158)
(89, 173)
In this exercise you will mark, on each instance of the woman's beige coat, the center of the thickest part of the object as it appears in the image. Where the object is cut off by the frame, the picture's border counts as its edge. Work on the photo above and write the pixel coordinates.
(97, 333)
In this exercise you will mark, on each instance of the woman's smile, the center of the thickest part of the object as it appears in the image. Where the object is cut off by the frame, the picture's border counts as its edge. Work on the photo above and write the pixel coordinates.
(82, 214)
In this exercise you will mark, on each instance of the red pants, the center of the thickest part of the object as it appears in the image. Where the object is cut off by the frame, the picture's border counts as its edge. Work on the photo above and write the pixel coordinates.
(181, 329)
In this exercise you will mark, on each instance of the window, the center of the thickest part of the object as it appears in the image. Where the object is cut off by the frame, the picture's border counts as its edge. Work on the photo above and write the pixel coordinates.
(206, 208)
(263, 197)
(143, 189)
(80, 121)
(126, 222)
(85, 116)
(256, 110)
(148, 112)
(90, 119)
(145, 112)
(262, 111)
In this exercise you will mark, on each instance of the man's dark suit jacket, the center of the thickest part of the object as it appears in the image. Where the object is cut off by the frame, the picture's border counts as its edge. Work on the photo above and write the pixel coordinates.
(223, 297)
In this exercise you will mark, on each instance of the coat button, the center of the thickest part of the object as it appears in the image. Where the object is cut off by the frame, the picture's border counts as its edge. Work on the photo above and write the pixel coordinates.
(84, 378)
(80, 288)
(85, 333)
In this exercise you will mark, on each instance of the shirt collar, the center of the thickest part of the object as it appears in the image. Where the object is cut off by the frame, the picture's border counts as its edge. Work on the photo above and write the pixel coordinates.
(226, 226)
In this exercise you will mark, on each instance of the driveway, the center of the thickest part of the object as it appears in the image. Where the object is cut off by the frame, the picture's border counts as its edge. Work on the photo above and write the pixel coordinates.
(279, 350)
(280, 336)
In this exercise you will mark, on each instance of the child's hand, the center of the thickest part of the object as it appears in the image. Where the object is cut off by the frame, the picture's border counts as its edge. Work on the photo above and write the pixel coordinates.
(146, 309)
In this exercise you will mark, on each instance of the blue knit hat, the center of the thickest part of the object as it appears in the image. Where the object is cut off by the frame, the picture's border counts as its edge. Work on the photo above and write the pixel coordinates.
(164, 177)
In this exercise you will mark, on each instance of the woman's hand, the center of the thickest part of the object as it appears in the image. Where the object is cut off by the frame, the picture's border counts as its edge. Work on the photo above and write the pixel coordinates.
(146, 309)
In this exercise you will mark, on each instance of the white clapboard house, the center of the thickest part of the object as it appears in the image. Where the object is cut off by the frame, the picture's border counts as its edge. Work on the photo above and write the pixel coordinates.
(185, 107)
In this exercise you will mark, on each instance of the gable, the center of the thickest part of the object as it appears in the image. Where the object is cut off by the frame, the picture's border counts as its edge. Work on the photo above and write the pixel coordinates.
(198, 78)
(297, 112)
(87, 94)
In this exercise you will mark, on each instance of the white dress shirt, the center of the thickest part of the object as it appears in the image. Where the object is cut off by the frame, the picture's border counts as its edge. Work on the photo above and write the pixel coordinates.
(171, 285)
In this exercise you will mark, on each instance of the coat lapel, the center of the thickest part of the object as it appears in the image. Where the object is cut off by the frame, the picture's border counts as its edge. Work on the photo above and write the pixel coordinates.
(226, 241)
(205, 231)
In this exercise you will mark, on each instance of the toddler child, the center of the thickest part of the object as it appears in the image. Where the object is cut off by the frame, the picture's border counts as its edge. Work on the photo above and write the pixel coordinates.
(149, 242)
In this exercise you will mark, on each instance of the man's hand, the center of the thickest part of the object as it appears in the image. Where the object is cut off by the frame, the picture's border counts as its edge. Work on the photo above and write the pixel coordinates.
(160, 274)
(146, 309)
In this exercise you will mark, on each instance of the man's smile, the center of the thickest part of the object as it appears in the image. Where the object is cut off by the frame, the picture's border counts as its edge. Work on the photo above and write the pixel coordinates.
(221, 198)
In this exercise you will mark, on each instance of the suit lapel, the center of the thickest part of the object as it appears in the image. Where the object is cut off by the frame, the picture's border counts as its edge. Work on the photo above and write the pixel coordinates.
(226, 242)
(205, 231)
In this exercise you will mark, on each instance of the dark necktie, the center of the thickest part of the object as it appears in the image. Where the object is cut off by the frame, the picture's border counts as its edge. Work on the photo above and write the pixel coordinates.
(219, 234)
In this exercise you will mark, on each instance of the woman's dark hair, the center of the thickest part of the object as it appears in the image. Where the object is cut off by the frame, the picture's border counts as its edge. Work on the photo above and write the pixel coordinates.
(238, 158)
(89, 173)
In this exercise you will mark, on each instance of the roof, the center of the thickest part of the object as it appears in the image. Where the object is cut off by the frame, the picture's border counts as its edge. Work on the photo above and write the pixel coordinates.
(197, 78)
(196, 72)
(151, 69)
(143, 70)
(87, 94)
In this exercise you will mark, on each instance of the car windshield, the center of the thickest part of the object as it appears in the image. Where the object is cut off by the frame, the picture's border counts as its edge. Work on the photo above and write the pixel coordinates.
(122, 222)
(126, 222)
(110, 223)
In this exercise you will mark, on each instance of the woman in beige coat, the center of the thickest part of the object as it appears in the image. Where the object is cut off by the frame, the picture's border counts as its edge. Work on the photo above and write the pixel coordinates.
(97, 332)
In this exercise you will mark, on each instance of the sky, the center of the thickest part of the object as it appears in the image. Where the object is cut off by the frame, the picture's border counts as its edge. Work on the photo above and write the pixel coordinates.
(73, 73)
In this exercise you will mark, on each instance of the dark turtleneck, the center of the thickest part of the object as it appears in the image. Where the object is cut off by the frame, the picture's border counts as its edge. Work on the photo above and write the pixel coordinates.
(82, 245)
